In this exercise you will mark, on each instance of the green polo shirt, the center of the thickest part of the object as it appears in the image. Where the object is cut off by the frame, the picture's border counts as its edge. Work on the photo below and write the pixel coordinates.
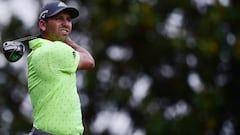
(52, 87)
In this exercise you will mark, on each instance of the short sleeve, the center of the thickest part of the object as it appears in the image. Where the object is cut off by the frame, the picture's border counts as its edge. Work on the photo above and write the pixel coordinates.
(63, 58)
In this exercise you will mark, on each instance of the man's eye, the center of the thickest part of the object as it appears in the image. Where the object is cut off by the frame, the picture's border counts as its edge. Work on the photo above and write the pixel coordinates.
(62, 18)
(58, 18)
(69, 19)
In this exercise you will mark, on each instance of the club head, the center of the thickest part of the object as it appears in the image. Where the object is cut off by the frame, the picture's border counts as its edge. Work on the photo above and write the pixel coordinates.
(13, 50)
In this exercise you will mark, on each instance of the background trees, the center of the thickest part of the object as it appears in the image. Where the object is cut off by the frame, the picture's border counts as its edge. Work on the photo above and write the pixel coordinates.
(162, 68)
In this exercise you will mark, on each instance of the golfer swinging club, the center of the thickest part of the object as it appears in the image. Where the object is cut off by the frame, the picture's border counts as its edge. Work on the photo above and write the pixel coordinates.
(52, 66)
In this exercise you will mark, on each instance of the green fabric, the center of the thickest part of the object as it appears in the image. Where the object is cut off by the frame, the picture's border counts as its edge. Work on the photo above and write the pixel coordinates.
(52, 86)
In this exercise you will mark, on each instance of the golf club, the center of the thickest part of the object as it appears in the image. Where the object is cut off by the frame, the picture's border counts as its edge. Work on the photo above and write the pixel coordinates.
(14, 50)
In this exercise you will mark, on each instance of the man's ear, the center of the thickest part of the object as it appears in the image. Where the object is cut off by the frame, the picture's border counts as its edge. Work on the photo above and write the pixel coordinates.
(42, 25)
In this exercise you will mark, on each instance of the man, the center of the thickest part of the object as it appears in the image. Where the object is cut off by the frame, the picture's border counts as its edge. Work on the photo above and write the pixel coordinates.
(52, 66)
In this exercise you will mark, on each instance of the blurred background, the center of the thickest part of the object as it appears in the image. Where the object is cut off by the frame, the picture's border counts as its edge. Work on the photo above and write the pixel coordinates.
(163, 67)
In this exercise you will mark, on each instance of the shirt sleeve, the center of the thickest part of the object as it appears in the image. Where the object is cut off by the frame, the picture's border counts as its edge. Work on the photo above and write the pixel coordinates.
(63, 58)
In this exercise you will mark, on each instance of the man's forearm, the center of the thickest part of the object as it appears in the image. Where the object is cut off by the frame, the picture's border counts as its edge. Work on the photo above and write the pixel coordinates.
(87, 61)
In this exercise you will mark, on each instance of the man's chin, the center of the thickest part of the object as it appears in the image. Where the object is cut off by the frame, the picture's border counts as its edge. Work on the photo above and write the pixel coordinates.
(62, 38)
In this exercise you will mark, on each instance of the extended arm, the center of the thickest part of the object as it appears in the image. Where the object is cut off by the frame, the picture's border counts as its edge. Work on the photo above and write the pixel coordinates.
(86, 59)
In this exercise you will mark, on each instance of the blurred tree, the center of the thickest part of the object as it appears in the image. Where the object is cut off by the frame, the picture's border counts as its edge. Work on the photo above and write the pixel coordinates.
(163, 68)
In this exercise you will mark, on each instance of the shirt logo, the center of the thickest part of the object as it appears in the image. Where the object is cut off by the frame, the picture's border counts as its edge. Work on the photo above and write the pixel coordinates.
(74, 54)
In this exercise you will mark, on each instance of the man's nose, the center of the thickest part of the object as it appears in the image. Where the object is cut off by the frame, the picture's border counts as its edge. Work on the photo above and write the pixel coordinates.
(66, 22)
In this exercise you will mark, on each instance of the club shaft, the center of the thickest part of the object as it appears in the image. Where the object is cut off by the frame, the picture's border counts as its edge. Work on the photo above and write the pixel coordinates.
(26, 38)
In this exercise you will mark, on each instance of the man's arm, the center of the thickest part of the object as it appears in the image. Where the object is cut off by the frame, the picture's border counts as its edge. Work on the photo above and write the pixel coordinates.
(86, 59)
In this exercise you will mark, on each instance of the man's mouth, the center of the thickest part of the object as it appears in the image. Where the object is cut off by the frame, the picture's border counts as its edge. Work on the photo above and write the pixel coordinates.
(65, 31)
